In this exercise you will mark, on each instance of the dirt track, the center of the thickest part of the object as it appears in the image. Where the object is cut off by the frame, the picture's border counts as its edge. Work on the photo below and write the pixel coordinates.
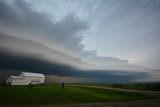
(146, 103)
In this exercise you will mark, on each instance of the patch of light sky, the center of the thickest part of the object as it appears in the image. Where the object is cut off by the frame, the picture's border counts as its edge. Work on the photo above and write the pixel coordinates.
(58, 9)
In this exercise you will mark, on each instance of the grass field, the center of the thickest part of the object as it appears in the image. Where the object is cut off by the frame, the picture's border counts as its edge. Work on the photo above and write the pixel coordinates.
(52, 94)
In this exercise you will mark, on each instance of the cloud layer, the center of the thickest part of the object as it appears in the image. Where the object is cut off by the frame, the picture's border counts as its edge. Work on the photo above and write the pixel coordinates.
(26, 55)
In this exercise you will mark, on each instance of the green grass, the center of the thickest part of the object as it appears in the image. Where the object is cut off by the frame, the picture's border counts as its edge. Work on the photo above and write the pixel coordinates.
(47, 95)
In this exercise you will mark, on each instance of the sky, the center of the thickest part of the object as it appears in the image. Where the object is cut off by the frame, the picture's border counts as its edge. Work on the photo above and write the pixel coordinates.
(105, 40)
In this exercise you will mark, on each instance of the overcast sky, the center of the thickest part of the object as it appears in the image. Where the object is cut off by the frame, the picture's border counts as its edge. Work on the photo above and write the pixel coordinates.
(83, 34)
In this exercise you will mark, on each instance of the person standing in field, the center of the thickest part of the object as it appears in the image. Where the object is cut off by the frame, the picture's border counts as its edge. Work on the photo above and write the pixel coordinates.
(62, 86)
(30, 85)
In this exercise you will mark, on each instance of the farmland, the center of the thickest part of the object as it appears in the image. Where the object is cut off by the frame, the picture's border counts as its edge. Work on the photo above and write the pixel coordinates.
(53, 94)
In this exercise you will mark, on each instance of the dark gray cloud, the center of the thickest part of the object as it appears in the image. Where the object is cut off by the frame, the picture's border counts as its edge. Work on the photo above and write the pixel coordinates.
(32, 64)
(20, 20)
(17, 63)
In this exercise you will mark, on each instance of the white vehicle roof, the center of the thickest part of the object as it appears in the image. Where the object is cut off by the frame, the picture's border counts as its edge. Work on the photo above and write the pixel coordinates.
(18, 77)
(30, 74)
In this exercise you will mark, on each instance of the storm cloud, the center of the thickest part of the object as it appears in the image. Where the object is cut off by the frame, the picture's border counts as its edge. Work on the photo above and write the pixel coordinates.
(97, 39)
(15, 58)
(20, 20)
(15, 63)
